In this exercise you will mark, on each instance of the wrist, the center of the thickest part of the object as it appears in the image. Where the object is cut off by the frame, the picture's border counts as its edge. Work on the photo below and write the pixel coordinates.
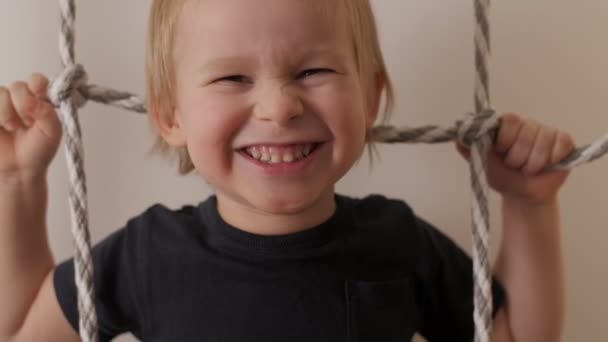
(530, 217)
(31, 188)
(525, 203)
(23, 180)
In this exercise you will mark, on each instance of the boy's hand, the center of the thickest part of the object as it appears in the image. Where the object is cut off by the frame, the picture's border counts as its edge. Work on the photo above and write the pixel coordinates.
(523, 148)
(30, 130)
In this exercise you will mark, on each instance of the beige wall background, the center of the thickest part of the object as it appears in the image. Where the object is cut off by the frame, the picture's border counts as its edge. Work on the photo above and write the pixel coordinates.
(549, 63)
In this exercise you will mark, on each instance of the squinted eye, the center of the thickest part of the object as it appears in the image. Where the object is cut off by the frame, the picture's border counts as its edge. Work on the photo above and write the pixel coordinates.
(312, 72)
(233, 78)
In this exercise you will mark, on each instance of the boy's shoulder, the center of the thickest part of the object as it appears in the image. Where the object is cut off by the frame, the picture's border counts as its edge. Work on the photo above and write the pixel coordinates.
(390, 224)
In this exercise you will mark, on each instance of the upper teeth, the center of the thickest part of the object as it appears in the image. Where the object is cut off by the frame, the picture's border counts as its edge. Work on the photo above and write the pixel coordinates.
(280, 154)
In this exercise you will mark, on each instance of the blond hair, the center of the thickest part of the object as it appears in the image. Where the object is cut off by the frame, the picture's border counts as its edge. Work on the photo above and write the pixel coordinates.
(160, 74)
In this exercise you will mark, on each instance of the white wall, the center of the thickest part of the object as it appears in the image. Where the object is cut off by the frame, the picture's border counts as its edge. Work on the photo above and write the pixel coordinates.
(550, 63)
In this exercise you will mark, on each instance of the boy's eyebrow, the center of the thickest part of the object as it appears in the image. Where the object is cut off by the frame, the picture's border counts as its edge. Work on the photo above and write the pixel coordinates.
(239, 61)
(223, 62)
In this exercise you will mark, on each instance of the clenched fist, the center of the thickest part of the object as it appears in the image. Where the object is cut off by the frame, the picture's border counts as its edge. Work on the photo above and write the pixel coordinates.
(523, 149)
(30, 130)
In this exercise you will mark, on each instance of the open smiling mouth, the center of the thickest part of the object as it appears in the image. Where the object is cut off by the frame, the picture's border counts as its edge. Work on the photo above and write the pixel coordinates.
(280, 154)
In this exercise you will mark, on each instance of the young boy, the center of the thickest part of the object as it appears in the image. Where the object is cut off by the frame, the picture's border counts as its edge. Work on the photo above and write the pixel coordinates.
(270, 101)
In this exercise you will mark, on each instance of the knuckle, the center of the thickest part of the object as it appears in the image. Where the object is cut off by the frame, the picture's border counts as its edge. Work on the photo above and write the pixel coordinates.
(511, 118)
(550, 127)
(38, 76)
(509, 123)
(546, 138)
(17, 86)
(566, 138)
(533, 123)
(38, 82)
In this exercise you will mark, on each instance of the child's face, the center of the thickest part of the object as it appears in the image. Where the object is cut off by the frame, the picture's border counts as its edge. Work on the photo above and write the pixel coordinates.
(265, 75)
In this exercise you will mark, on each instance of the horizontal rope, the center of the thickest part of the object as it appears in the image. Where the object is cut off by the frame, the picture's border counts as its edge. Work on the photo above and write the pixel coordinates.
(466, 130)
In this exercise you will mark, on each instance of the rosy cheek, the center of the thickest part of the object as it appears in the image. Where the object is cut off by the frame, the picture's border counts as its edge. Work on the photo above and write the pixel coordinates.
(224, 119)
(215, 121)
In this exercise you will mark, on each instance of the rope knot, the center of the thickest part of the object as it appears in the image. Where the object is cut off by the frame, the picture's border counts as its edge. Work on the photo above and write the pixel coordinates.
(473, 126)
(66, 86)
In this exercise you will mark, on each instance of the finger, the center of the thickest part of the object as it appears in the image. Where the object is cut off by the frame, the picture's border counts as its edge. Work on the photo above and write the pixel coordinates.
(510, 125)
(24, 101)
(542, 151)
(47, 120)
(564, 145)
(8, 114)
(38, 85)
(519, 152)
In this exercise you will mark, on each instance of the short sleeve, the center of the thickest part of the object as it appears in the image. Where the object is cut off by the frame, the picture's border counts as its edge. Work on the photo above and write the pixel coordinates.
(446, 285)
(115, 277)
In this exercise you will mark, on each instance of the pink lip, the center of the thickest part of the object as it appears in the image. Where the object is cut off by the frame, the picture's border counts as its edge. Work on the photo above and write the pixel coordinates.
(283, 168)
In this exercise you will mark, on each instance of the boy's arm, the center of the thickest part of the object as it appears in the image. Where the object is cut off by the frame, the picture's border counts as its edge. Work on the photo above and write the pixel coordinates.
(30, 133)
(29, 310)
(530, 260)
(530, 267)
(45, 320)
(25, 257)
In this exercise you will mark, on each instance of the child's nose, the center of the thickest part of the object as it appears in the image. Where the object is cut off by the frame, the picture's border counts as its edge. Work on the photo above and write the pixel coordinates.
(278, 103)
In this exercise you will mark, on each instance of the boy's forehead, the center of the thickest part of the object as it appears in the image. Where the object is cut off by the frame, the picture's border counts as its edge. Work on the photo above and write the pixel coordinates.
(235, 24)
(261, 7)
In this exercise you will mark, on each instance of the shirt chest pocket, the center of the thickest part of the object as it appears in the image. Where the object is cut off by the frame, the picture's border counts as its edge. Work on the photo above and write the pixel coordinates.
(380, 310)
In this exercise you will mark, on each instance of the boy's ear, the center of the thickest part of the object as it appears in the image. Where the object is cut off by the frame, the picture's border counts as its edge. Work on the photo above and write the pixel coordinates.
(169, 127)
(374, 105)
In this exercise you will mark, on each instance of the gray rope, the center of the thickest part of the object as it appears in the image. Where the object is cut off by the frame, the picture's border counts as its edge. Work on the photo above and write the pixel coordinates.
(482, 272)
(468, 130)
(73, 82)
(68, 102)
(69, 91)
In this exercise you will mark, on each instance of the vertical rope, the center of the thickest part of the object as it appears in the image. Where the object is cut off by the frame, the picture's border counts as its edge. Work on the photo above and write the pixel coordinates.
(83, 266)
(482, 314)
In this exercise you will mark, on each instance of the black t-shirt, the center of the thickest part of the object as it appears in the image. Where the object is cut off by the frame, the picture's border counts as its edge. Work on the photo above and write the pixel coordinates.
(373, 272)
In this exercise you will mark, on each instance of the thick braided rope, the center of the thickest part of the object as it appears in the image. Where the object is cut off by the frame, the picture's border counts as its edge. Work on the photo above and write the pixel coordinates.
(69, 90)
(471, 128)
(482, 272)
(83, 268)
